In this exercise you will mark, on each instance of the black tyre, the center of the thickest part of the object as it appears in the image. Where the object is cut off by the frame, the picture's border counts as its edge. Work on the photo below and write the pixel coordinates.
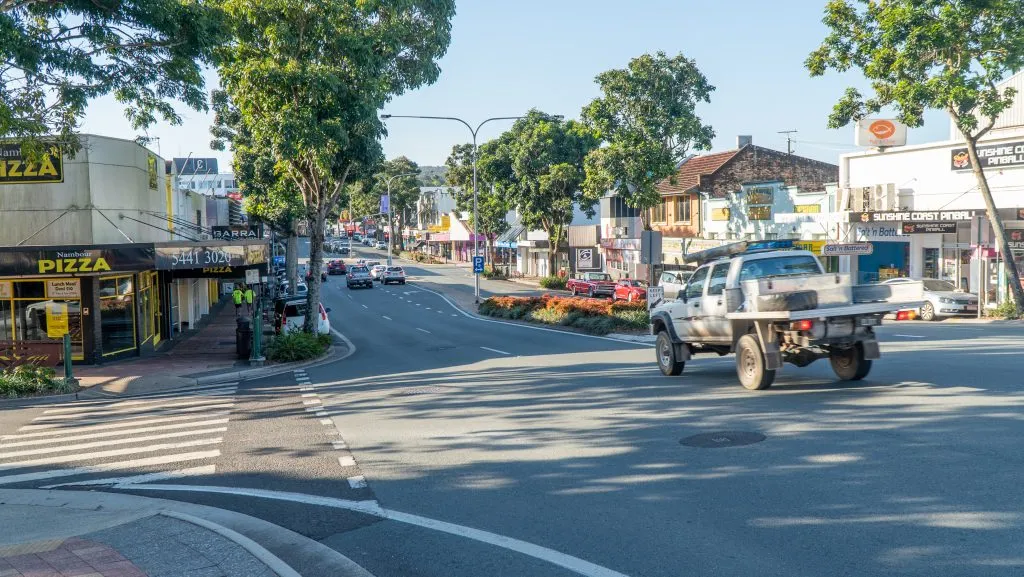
(928, 312)
(750, 366)
(850, 364)
(668, 363)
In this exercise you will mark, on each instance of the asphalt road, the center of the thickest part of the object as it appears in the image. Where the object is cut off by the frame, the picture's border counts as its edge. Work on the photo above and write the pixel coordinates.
(482, 448)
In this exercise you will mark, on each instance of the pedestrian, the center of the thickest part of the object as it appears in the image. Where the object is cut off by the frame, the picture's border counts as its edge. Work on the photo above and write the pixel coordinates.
(236, 296)
(248, 299)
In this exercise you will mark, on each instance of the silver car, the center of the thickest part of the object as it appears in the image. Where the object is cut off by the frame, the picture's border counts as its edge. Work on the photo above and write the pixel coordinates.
(393, 274)
(942, 299)
(377, 272)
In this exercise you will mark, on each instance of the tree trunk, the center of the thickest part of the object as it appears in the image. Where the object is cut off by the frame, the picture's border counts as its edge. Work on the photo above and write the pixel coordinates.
(316, 251)
(291, 257)
(553, 234)
(1012, 275)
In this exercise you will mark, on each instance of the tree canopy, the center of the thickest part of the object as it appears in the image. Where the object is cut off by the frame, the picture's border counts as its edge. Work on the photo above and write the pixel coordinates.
(57, 56)
(308, 78)
(492, 206)
(929, 54)
(646, 115)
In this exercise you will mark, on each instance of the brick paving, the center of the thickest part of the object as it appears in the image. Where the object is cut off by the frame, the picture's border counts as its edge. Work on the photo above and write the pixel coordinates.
(71, 558)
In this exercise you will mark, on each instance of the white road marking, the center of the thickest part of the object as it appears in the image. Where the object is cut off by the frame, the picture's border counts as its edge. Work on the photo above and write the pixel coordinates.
(386, 317)
(454, 315)
(326, 422)
(911, 336)
(574, 564)
(49, 429)
(418, 304)
(79, 437)
(347, 461)
(97, 411)
(349, 296)
(357, 482)
(365, 307)
(440, 312)
(428, 308)
(308, 395)
(116, 466)
(147, 478)
(424, 330)
(495, 351)
(340, 445)
(322, 414)
(140, 400)
(311, 401)
(111, 453)
(313, 409)
(131, 439)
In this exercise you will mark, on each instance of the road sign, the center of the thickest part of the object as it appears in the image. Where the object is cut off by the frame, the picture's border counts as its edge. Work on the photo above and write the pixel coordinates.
(252, 276)
(478, 264)
(852, 249)
(655, 294)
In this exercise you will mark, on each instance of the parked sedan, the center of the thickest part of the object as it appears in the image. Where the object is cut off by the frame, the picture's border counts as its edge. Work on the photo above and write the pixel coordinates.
(393, 274)
(628, 289)
(377, 272)
(290, 315)
(382, 245)
(942, 299)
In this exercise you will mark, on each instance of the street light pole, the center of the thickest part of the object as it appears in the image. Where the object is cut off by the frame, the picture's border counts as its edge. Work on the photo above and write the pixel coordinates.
(474, 132)
(391, 228)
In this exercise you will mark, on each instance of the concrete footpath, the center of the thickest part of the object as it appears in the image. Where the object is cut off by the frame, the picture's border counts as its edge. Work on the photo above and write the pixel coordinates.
(95, 534)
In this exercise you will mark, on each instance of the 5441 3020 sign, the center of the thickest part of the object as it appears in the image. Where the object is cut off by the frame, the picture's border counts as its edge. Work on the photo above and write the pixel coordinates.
(17, 168)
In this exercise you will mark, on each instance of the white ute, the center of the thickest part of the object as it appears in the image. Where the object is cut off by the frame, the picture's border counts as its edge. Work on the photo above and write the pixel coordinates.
(770, 304)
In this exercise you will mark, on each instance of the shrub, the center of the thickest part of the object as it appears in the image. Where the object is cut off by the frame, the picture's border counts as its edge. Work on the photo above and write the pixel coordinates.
(1006, 310)
(297, 346)
(553, 282)
(589, 315)
(494, 274)
(26, 380)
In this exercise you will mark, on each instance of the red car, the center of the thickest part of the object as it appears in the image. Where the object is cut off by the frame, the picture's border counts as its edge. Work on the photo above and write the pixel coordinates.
(336, 266)
(629, 289)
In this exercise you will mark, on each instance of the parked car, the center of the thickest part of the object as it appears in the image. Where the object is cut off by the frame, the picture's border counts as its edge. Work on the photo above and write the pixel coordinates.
(323, 275)
(377, 271)
(673, 281)
(942, 299)
(290, 315)
(393, 274)
(630, 289)
(301, 289)
(336, 266)
(344, 249)
(592, 284)
(359, 276)
(382, 245)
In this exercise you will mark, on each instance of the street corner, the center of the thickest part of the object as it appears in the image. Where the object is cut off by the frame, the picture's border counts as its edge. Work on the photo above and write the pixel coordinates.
(73, 556)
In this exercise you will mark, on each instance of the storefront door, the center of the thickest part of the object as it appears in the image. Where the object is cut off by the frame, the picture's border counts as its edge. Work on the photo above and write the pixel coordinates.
(889, 260)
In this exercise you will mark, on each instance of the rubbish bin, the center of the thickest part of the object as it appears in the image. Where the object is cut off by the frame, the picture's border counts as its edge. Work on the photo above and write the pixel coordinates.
(243, 339)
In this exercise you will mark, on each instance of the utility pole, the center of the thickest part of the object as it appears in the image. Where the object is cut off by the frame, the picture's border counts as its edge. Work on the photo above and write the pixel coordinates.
(789, 140)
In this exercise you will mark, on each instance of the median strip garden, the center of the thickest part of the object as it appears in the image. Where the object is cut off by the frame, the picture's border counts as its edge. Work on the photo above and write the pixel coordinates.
(597, 317)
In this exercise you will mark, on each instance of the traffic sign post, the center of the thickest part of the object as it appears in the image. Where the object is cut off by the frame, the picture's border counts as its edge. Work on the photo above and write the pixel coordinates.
(478, 264)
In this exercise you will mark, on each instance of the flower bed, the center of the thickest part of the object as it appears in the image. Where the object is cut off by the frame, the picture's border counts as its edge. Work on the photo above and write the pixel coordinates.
(589, 315)
(30, 380)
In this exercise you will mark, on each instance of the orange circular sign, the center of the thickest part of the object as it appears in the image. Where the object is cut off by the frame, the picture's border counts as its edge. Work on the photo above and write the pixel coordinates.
(882, 128)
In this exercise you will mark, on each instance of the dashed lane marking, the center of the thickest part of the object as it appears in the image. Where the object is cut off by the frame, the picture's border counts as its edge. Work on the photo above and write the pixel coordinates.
(495, 351)
(424, 330)
(347, 461)
(386, 317)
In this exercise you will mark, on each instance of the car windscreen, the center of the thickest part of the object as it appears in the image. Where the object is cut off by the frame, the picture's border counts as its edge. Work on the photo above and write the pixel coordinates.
(359, 269)
(394, 269)
(938, 285)
(637, 283)
(295, 310)
(779, 266)
(601, 277)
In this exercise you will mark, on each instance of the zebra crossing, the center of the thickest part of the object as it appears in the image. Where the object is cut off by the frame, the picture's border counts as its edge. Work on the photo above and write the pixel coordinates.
(142, 439)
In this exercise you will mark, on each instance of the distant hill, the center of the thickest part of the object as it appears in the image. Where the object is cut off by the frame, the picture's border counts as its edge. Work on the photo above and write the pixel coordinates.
(432, 175)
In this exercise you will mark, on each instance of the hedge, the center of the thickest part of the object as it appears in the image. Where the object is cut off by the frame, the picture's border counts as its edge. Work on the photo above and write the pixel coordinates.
(597, 317)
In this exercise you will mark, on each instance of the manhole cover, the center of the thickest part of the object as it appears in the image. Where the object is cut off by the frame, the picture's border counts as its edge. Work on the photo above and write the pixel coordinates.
(423, 391)
(722, 439)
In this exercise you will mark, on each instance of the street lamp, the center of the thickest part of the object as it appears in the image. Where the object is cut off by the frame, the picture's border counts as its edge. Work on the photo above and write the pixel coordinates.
(476, 243)
(391, 228)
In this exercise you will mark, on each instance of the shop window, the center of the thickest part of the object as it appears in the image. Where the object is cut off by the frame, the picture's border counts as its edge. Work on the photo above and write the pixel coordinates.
(931, 263)
(117, 315)
(658, 212)
(6, 321)
(683, 209)
(29, 290)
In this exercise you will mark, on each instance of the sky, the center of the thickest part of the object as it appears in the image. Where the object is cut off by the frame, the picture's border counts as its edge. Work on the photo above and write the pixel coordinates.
(508, 57)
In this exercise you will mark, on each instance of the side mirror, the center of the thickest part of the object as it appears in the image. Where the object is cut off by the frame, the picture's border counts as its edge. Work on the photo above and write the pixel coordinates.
(682, 294)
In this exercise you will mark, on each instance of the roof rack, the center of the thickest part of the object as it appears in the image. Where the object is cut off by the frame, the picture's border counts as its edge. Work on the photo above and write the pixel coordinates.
(744, 247)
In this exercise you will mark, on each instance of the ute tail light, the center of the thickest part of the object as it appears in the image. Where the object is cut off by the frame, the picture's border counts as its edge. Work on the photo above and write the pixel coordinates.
(804, 325)
(905, 315)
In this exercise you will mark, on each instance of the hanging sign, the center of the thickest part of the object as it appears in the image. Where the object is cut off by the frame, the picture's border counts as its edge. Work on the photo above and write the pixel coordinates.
(56, 320)
(848, 249)
(929, 228)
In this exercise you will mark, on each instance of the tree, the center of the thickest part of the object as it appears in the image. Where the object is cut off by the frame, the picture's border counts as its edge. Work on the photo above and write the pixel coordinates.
(537, 166)
(492, 207)
(308, 79)
(56, 56)
(405, 191)
(921, 54)
(647, 118)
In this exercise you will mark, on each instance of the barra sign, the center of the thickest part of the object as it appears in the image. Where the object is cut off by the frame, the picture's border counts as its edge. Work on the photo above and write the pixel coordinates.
(16, 168)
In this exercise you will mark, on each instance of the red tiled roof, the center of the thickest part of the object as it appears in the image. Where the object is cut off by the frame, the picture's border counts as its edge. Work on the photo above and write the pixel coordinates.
(688, 175)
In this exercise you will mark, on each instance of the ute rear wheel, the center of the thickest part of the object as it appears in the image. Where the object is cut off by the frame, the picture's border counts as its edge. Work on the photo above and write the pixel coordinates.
(668, 361)
(750, 365)
(849, 364)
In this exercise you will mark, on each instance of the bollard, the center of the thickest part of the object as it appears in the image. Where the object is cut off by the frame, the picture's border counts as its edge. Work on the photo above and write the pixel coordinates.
(68, 377)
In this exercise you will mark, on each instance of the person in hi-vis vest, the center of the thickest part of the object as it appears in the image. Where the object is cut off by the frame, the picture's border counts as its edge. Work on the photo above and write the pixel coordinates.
(236, 297)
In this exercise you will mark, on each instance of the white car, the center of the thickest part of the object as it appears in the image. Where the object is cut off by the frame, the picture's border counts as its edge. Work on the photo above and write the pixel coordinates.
(382, 245)
(942, 299)
(377, 271)
(295, 316)
(393, 274)
(301, 289)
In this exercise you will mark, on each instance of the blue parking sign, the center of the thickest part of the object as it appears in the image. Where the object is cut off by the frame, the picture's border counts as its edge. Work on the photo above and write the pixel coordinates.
(478, 264)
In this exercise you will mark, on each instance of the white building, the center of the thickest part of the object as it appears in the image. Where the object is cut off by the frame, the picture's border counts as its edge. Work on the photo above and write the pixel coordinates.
(920, 208)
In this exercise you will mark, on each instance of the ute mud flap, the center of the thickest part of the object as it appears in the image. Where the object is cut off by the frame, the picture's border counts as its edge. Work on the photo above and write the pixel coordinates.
(769, 345)
(871, 350)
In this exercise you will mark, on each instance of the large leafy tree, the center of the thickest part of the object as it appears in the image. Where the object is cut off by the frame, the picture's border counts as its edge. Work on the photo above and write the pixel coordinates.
(537, 166)
(309, 77)
(403, 175)
(492, 206)
(646, 115)
(56, 56)
(922, 54)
